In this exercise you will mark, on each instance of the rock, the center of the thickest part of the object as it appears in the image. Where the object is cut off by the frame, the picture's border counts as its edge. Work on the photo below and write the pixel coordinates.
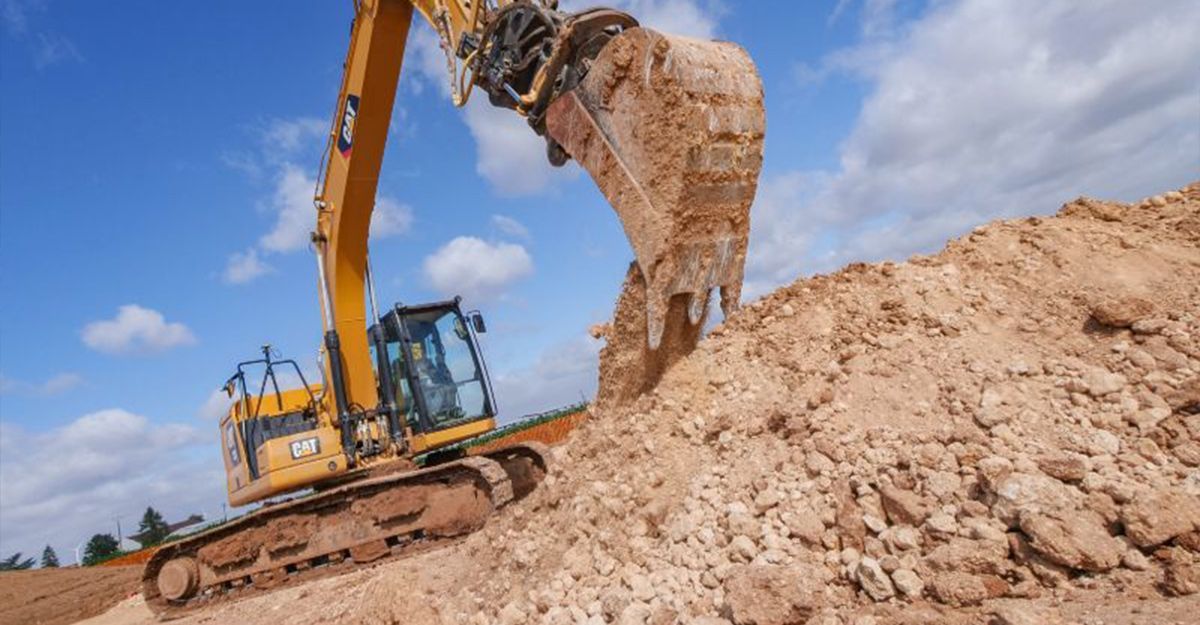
(743, 547)
(818, 463)
(1134, 560)
(636, 613)
(766, 500)
(1020, 614)
(1104, 442)
(1188, 453)
(992, 470)
(964, 589)
(1122, 312)
(641, 588)
(874, 523)
(1181, 577)
(908, 583)
(903, 538)
(990, 411)
(1099, 382)
(969, 556)
(806, 525)
(578, 562)
(511, 614)
(903, 507)
(1155, 517)
(942, 523)
(1064, 466)
(849, 522)
(1149, 418)
(1079, 542)
(1030, 492)
(1149, 326)
(873, 580)
(943, 484)
(772, 595)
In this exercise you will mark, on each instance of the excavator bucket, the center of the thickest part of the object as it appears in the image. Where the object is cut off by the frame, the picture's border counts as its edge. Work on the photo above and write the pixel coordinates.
(671, 130)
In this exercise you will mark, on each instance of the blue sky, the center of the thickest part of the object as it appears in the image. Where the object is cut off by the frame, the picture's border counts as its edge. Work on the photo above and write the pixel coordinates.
(154, 161)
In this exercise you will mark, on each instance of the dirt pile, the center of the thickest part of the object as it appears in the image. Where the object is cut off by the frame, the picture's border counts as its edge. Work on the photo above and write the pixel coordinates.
(66, 595)
(1014, 418)
(1005, 432)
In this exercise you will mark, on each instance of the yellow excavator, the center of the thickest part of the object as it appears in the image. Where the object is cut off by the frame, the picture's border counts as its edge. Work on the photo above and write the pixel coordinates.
(670, 129)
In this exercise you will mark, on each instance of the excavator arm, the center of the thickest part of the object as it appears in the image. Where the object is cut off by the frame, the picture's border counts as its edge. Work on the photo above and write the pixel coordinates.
(681, 191)
(522, 53)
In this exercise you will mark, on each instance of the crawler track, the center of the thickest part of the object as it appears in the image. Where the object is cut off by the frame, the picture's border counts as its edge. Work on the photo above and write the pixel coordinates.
(373, 519)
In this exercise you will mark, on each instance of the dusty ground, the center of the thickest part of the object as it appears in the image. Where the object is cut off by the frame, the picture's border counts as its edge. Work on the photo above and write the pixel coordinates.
(1006, 432)
(60, 596)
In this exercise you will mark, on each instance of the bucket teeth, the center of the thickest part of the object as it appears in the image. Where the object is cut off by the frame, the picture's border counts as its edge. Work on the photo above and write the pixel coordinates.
(671, 130)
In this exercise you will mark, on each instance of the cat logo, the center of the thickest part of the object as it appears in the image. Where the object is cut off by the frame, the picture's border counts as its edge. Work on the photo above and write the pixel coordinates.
(305, 447)
(346, 137)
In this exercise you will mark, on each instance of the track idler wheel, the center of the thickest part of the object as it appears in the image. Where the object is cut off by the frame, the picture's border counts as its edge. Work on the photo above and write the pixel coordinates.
(526, 465)
(179, 579)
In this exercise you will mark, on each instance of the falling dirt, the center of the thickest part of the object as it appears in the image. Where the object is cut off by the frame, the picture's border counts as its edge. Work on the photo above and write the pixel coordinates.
(671, 130)
(65, 595)
(628, 367)
(1005, 432)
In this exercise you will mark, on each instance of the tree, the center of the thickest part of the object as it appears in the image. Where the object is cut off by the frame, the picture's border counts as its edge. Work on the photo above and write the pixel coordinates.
(153, 529)
(100, 548)
(15, 563)
(49, 558)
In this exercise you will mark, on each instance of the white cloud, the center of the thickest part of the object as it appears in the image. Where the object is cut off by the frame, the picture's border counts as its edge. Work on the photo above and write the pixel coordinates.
(15, 14)
(52, 49)
(280, 143)
(563, 374)
(244, 267)
(60, 486)
(54, 385)
(511, 227)
(47, 47)
(60, 383)
(690, 18)
(215, 406)
(136, 330)
(476, 269)
(390, 218)
(508, 153)
(295, 215)
(288, 137)
(981, 110)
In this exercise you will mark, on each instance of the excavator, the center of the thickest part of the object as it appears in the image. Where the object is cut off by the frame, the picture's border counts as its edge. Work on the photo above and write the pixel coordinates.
(670, 128)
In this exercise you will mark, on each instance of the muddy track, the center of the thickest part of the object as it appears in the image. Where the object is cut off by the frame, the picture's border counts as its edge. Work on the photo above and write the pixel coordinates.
(372, 520)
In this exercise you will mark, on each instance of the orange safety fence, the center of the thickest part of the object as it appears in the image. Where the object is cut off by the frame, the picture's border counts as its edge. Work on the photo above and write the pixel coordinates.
(549, 432)
(134, 557)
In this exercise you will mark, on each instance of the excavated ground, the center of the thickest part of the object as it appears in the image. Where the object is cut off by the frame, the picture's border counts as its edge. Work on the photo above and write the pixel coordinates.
(66, 595)
(1005, 432)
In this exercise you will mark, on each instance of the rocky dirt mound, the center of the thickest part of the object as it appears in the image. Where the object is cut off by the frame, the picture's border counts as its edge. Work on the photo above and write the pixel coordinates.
(66, 595)
(1005, 432)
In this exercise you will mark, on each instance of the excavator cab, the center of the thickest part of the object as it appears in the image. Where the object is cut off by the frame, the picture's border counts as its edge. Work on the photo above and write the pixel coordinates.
(438, 378)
